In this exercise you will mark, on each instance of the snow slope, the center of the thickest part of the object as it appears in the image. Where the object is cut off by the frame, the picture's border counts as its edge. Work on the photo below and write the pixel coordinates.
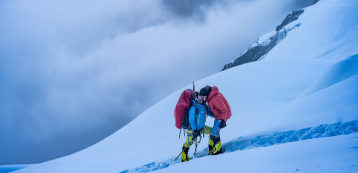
(336, 154)
(276, 138)
(338, 72)
(267, 42)
(308, 81)
(11, 168)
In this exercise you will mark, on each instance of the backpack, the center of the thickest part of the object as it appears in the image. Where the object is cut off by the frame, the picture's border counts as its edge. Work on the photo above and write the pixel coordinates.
(181, 111)
(181, 108)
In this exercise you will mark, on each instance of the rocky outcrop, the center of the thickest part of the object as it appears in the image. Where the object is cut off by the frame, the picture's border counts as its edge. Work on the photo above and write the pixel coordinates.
(290, 18)
(267, 42)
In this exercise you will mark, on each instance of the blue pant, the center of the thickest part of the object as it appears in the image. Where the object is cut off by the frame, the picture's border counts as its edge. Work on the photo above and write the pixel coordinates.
(216, 129)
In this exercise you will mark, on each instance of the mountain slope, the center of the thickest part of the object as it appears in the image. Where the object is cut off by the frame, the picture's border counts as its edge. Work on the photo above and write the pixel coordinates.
(266, 96)
(337, 154)
(264, 44)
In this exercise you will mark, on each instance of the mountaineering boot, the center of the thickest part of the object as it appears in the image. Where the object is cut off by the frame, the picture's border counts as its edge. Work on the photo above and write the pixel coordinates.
(184, 154)
(186, 146)
(215, 145)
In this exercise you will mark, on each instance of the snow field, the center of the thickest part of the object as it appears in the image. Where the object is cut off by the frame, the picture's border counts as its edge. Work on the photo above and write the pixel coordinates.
(326, 155)
(338, 72)
(11, 168)
(242, 143)
(269, 108)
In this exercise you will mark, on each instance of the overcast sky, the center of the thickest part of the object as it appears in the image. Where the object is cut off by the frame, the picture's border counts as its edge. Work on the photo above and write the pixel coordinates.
(74, 71)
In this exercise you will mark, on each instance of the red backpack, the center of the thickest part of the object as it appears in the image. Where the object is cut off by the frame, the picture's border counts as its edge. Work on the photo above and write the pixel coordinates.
(182, 106)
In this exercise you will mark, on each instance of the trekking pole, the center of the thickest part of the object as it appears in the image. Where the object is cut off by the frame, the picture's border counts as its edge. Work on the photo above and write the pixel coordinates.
(178, 156)
(193, 87)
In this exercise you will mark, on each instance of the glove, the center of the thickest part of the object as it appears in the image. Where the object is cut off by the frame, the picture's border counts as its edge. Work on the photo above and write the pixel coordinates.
(196, 133)
(222, 124)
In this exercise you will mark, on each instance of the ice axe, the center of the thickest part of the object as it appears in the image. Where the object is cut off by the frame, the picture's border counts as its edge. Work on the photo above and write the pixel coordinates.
(193, 87)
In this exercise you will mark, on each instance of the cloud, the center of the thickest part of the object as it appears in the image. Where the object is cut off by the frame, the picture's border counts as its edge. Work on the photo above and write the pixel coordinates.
(188, 8)
(76, 71)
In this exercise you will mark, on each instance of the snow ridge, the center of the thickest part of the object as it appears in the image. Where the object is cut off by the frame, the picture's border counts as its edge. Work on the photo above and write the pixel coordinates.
(264, 44)
(243, 143)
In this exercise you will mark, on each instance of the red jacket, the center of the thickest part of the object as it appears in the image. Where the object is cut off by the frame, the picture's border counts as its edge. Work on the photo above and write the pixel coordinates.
(218, 104)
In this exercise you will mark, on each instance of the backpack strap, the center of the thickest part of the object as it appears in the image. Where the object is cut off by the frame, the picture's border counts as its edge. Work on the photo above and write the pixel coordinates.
(179, 133)
(196, 110)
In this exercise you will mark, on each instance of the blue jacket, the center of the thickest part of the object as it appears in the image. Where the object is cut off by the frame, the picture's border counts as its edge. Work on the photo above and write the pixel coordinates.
(198, 121)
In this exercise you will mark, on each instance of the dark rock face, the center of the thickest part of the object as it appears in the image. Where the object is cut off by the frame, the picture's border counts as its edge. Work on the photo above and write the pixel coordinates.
(252, 54)
(290, 18)
(258, 50)
(315, 1)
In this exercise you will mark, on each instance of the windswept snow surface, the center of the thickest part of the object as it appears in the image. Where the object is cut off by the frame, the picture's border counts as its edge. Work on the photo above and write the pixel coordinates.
(336, 154)
(11, 168)
(242, 143)
(289, 90)
(338, 72)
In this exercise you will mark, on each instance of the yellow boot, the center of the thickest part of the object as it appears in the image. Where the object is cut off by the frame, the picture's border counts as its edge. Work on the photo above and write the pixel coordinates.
(186, 146)
(215, 147)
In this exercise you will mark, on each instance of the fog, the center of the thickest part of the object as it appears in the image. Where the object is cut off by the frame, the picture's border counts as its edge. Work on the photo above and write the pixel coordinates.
(74, 71)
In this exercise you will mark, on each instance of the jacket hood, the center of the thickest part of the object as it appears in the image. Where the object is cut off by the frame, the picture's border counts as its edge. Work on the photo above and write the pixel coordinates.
(214, 91)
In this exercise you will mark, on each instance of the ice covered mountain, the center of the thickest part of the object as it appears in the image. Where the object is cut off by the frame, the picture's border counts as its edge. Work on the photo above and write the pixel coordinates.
(295, 110)
(264, 44)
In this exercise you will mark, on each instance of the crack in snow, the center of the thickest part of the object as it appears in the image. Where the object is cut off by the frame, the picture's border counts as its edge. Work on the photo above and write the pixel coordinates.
(242, 143)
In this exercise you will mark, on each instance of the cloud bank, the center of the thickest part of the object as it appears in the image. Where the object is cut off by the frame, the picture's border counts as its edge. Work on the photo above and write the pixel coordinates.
(73, 72)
